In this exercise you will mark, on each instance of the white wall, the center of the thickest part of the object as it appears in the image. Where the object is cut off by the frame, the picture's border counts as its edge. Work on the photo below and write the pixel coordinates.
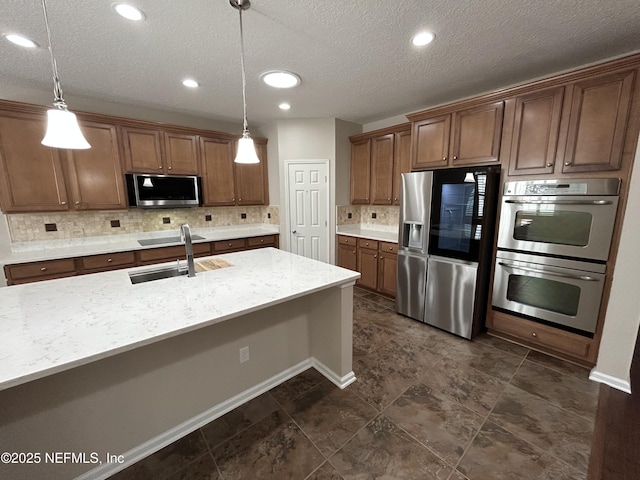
(5, 245)
(623, 311)
(343, 159)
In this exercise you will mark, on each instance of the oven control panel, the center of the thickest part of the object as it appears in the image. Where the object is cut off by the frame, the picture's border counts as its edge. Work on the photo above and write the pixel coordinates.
(557, 187)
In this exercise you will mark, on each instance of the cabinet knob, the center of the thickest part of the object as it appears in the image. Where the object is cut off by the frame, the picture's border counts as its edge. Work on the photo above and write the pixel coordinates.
(63, 203)
(354, 252)
(375, 256)
(170, 168)
(109, 260)
(566, 164)
(160, 167)
(261, 240)
(42, 269)
(455, 157)
(239, 199)
(444, 159)
(534, 334)
(390, 248)
(77, 203)
(549, 164)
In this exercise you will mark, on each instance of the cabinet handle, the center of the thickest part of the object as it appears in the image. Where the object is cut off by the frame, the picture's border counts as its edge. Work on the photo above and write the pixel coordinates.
(109, 260)
(63, 203)
(549, 164)
(534, 334)
(566, 164)
(42, 269)
(455, 157)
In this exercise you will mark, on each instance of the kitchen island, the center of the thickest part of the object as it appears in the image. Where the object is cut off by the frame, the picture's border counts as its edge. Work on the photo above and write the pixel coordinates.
(96, 365)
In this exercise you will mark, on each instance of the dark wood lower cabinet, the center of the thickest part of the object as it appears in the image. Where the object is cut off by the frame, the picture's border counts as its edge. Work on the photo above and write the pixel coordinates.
(67, 267)
(615, 452)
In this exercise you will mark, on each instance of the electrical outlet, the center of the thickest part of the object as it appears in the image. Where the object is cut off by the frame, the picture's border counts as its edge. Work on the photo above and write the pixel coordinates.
(244, 354)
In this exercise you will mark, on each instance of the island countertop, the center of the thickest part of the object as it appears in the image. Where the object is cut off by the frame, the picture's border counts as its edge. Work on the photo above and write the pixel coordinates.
(55, 325)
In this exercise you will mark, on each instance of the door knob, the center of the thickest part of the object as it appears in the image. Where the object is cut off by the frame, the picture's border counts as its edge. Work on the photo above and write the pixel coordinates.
(294, 231)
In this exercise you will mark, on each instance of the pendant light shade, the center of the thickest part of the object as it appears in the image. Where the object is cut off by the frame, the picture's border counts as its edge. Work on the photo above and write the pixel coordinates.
(63, 130)
(246, 148)
(246, 151)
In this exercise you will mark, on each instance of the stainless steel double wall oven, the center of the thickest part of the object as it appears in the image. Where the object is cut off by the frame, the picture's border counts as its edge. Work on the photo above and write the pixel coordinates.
(553, 243)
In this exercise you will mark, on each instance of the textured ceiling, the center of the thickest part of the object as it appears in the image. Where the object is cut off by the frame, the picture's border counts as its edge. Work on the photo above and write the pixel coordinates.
(354, 57)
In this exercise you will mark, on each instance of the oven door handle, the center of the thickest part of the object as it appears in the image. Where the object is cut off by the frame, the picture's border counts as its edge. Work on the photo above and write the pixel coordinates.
(547, 272)
(561, 202)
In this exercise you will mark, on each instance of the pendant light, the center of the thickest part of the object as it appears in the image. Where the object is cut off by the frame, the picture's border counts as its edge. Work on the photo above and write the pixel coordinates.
(246, 148)
(63, 130)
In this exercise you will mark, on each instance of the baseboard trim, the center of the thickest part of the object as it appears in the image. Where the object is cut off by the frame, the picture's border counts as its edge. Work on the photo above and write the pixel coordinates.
(157, 443)
(613, 382)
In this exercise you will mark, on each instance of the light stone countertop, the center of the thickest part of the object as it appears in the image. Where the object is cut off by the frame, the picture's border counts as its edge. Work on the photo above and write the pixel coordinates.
(383, 233)
(78, 247)
(55, 325)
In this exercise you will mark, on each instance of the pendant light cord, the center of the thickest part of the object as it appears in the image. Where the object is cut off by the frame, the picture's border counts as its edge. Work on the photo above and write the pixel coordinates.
(57, 88)
(245, 130)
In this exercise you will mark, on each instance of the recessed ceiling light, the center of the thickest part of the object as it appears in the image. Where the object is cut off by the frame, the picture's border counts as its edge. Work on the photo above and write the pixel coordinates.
(20, 40)
(188, 82)
(284, 106)
(281, 79)
(129, 12)
(423, 38)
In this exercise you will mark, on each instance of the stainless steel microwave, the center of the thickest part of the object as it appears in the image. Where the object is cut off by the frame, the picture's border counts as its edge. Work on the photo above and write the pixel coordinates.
(163, 191)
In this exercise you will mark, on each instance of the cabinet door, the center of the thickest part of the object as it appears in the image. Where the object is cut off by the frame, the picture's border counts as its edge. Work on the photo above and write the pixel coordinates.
(368, 267)
(597, 123)
(382, 170)
(387, 272)
(31, 178)
(430, 139)
(535, 132)
(216, 164)
(142, 150)
(360, 172)
(347, 257)
(181, 154)
(251, 180)
(476, 134)
(95, 175)
(401, 161)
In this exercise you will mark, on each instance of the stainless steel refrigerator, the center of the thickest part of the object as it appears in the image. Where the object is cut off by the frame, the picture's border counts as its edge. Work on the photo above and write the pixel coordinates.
(447, 221)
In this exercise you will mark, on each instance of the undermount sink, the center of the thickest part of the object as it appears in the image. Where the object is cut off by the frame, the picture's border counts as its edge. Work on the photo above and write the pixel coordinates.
(161, 240)
(156, 274)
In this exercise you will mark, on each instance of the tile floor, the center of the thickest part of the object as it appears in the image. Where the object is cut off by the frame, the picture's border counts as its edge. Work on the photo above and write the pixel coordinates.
(426, 405)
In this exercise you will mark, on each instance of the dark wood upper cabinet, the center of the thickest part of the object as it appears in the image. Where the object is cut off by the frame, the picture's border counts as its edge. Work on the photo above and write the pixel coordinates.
(216, 161)
(476, 134)
(31, 175)
(252, 187)
(360, 172)
(402, 161)
(382, 151)
(142, 150)
(430, 143)
(598, 122)
(535, 132)
(180, 154)
(95, 175)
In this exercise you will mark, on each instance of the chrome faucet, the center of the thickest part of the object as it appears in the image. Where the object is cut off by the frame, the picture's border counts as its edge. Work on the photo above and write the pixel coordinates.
(185, 236)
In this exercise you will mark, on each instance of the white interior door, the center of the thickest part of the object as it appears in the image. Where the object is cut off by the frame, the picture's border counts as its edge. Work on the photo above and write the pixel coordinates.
(308, 210)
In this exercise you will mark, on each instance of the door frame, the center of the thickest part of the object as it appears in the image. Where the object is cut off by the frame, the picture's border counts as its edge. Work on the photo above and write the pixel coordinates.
(287, 186)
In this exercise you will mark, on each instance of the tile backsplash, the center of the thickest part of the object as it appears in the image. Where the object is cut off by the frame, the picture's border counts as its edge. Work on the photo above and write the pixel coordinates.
(25, 227)
(368, 214)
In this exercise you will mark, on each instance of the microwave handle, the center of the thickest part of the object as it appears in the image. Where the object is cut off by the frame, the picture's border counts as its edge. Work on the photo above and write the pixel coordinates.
(561, 202)
(547, 272)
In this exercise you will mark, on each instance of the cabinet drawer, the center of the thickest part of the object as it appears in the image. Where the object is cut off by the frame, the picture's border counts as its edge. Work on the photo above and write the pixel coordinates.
(388, 247)
(345, 240)
(366, 243)
(177, 252)
(228, 245)
(543, 335)
(50, 268)
(108, 261)
(266, 240)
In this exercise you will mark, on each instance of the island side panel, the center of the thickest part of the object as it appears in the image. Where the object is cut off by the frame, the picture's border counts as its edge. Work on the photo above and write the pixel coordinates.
(331, 334)
(117, 404)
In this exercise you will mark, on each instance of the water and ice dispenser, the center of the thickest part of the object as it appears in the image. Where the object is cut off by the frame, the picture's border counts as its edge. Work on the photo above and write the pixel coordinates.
(413, 235)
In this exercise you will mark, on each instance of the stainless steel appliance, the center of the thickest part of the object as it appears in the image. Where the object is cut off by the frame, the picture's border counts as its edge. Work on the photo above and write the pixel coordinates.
(163, 191)
(553, 243)
(446, 235)
(551, 290)
(568, 218)
(413, 243)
